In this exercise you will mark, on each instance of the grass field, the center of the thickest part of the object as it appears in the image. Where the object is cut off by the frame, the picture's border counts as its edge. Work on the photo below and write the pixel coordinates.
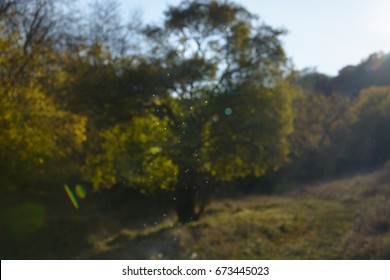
(343, 219)
(347, 218)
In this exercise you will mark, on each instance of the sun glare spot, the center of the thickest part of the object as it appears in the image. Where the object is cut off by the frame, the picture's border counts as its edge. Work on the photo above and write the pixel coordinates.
(228, 111)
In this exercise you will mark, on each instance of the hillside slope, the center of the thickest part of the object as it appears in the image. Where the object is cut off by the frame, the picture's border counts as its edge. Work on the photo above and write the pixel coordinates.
(348, 218)
(342, 219)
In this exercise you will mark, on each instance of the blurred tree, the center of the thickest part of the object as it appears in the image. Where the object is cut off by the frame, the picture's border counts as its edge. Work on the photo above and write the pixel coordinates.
(37, 139)
(322, 130)
(108, 79)
(334, 131)
(372, 135)
(33, 35)
(105, 28)
(233, 109)
(133, 154)
(215, 79)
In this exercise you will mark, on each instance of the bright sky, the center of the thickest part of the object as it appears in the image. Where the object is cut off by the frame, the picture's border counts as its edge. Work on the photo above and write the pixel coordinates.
(326, 34)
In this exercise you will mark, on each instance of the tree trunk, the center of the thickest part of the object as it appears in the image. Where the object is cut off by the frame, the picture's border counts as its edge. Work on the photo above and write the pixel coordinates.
(186, 204)
(186, 193)
(192, 195)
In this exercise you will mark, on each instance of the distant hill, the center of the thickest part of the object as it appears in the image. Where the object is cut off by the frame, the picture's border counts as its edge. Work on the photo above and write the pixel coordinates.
(373, 71)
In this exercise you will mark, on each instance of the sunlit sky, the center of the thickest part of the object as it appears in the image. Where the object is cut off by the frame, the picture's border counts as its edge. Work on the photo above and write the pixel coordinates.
(325, 34)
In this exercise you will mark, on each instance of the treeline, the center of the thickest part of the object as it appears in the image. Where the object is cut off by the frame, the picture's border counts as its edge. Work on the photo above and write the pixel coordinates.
(373, 71)
(207, 96)
(343, 121)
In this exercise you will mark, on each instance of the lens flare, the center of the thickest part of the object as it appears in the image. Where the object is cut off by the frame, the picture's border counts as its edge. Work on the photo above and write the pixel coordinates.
(80, 191)
(228, 111)
(71, 196)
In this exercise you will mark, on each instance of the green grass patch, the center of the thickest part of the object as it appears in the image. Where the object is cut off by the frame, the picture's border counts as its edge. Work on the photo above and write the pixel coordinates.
(342, 219)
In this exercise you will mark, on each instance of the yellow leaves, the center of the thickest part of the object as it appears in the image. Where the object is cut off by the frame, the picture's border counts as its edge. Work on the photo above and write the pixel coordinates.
(155, 150)
(79, 131)
(36, 136)
(158, 173)
(157, 102)
(373, 101)
(143, 138)
(35, 132)
(135, 153)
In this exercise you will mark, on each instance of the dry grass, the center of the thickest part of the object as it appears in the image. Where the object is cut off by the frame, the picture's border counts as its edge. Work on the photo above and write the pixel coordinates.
(343, 219)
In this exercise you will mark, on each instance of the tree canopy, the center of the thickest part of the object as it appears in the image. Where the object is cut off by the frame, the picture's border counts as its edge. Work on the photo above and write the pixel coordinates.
(222, 109)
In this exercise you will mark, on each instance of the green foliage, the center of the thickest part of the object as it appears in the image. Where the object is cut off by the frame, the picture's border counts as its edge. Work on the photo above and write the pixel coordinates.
(240, 76)
(372, 136)
(373, 103)
(248, 133)
(336, 134)
(232, 114)
(91, 85)
(208, 101)
(318, 119)
(133, 154)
